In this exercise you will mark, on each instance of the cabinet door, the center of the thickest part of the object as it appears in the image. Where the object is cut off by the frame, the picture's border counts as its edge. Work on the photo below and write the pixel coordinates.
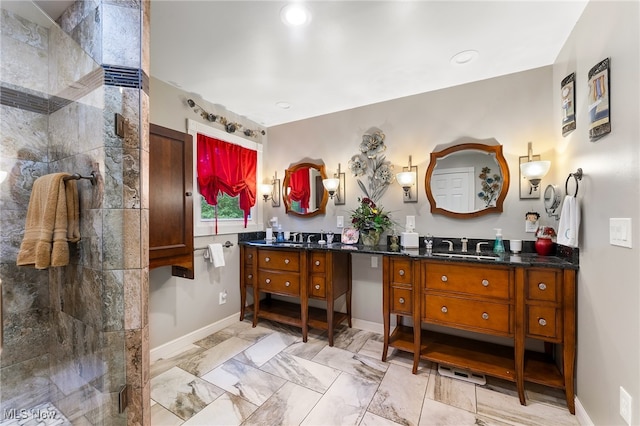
(171, 200)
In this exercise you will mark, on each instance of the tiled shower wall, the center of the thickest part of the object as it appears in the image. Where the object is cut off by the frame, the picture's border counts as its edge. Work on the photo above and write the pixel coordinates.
(74, 335)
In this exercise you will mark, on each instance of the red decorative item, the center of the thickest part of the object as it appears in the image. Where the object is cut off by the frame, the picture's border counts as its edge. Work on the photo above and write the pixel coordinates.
(544, 246)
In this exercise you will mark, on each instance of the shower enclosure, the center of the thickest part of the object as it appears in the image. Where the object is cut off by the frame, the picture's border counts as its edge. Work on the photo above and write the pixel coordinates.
(75, 337)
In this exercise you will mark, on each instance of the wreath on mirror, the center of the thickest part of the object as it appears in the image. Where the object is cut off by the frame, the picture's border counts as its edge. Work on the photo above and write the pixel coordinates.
(371, 164)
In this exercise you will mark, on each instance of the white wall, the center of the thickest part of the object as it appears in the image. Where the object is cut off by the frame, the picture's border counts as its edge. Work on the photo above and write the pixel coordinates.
(609, 277)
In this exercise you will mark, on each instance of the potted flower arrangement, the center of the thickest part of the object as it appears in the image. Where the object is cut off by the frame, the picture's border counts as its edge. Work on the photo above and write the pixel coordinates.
(370, 220)
(544, 240)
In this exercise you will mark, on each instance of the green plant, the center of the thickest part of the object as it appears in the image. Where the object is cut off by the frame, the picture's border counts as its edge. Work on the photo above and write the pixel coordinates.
(368, 216)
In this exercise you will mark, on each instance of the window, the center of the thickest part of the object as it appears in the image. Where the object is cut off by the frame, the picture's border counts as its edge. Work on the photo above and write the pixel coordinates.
(230, 218)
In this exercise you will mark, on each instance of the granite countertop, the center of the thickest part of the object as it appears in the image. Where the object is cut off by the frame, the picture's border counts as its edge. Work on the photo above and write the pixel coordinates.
(565, 259)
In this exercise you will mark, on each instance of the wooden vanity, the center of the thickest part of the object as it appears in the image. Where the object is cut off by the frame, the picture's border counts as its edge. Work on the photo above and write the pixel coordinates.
(301, 274)
(513, 302)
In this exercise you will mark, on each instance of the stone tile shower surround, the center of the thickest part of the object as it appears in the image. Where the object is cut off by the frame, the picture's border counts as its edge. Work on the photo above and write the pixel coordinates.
(74, 335)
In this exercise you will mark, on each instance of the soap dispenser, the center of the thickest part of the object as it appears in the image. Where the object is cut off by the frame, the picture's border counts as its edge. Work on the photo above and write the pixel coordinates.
(498, 245)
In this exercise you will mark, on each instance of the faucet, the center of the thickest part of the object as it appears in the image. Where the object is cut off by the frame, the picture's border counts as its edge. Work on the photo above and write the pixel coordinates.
(479, 245)
(301, 240)
(464, 241)
(450, 244)
(309, 238)
(294, 235)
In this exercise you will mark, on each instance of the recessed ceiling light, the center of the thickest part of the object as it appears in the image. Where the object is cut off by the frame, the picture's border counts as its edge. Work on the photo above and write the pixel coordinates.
(283, 105)
(295, 15)
(464, 57)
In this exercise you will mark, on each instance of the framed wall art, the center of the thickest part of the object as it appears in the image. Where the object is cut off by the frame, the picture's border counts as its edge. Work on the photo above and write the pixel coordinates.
(598, 106)
(568, 94)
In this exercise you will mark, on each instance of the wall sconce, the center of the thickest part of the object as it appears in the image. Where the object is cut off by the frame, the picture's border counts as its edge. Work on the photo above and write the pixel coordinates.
(408, 179)
(533, 170)
(271, 191)
(336, 187)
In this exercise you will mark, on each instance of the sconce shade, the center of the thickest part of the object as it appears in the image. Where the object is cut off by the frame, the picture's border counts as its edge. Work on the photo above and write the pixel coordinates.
(3, 175)
(266, 188)
(406, 178)
(331, 185)
(534, 171)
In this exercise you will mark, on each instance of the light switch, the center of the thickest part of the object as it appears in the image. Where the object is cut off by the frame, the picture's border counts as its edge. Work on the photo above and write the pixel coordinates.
(620, 232)
(340, 222)
(411, 222)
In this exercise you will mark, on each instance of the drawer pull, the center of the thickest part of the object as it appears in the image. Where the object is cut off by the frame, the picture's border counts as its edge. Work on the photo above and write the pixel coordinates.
(317, 286)
(444, 278)
(485, 283)
(250, 256)
(401, 272)
(250, 276)
(485, 316)
(287, 284)
(286, 261)
(317, 263)
(267, 259)
(542, 286)
(444, 309)
(268, 280)
(401, 300)
(542, 321)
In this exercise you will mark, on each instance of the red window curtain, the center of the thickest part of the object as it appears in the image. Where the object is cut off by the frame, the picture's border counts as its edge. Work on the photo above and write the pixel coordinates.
(300, 188)
(228, 168)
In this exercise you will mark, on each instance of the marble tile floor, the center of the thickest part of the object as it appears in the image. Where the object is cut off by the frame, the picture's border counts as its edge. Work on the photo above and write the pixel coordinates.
(267, 376)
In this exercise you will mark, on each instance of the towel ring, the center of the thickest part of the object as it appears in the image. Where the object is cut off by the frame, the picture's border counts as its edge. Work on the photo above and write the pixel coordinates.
(576, 176)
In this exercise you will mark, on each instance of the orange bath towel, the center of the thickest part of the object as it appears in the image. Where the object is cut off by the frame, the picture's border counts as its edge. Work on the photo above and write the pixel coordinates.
(52, 221)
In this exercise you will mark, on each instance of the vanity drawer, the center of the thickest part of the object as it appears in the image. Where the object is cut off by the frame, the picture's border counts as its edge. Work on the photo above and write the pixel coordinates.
(475, 280)
(318, 262)
(543, 322)
(401, 300)
(281, 283)
(280, 260)
(467, 314)
(318, 288)
(401, 271)
(249, 255)
(543, 285)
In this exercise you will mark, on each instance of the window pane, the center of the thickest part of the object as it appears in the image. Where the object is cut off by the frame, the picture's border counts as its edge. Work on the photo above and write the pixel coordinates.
(228, 208)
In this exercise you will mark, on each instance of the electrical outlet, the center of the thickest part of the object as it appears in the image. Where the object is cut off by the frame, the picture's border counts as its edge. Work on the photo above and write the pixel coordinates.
(340, 222)
(374, 261)
(625, 405)
(222, 297)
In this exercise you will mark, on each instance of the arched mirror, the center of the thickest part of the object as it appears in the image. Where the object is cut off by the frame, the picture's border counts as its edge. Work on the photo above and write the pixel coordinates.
(302, 189)
(467, 180)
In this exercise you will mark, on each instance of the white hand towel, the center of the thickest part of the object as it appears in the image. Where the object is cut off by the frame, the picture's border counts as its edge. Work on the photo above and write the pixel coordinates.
(216, 255)
(569, 222)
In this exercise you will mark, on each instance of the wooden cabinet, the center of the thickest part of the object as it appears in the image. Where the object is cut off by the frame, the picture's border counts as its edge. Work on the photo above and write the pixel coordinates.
(171, 200)
(516, 302)
(302, 274)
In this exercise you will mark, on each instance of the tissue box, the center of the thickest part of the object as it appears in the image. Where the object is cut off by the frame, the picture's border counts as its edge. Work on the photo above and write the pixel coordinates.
(409, 240)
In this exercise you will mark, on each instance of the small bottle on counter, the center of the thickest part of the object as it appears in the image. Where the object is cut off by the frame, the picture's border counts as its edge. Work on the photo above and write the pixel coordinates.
(280, 235)
(498, 245)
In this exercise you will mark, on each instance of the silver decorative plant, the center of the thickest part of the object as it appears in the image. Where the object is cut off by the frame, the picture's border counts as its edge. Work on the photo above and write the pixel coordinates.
(370, 163)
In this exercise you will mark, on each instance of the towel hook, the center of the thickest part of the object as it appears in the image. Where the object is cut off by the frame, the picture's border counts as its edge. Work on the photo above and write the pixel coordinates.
(576, 176)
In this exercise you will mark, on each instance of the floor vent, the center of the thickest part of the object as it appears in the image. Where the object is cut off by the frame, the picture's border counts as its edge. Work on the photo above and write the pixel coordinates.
(465, 375)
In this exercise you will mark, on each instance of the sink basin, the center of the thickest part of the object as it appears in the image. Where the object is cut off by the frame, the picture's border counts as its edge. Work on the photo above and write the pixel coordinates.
(465, 256)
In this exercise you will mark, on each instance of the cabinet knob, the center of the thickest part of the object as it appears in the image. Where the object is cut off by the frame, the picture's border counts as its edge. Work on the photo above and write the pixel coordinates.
(485, 316)
(250, 256)
(287, 284)
(542, 321)
(268, 280)
(401, 272)
(444, 309)
(317, 286)
(188, 194)
(267, 259)
(485, 283)
(286, 261)
(250, 276)
(542, 286)
(444, 278)
(317, 263)
(401, 300)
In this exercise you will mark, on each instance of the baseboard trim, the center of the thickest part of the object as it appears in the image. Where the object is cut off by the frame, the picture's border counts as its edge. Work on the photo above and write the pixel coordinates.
(367, 325)
(167, 349)
(581, 414)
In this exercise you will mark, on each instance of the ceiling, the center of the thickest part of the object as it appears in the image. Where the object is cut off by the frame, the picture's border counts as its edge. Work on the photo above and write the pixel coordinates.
(240, 55)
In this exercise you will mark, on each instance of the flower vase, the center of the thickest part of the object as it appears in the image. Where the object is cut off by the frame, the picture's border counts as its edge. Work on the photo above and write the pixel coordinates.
(370, 237)
(544, 246)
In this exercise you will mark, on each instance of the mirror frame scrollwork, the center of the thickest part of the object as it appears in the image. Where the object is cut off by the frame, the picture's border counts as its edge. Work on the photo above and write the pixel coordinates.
(489, 149)
(285, 196)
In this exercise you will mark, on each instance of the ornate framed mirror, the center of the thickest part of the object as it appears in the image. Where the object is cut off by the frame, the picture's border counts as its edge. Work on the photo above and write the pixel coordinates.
(467, 180)
(302, 191)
